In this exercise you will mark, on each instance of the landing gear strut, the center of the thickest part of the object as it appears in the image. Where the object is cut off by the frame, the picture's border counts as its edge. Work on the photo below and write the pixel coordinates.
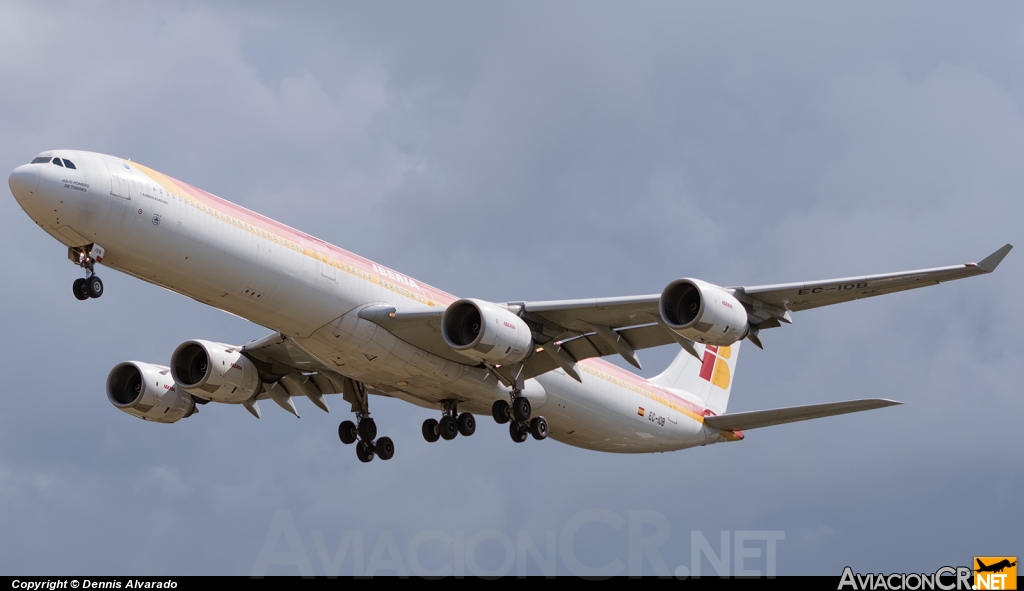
(451, 424)
(363, 434)
(517, 411)
(87, 257)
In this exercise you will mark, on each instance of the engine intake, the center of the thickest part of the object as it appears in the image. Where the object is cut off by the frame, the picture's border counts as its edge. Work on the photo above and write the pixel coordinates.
(703, 312)
(146, 391)
(486, 332)
(215, 371)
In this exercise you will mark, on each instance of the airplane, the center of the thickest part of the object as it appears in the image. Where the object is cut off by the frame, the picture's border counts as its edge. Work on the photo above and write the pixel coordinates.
(342, 324)
(995, 568)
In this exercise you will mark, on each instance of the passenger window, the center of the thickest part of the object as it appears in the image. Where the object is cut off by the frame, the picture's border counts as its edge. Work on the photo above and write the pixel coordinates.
(40, 160)
(69, 164)
(57, 162)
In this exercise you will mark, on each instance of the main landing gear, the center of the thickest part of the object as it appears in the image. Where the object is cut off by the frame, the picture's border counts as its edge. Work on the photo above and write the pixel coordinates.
(86, 257)
(364, 435)
(517, 414)
(451, 424)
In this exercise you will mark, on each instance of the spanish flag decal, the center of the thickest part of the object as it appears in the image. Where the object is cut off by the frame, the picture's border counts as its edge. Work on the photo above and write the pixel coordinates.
(640, 411)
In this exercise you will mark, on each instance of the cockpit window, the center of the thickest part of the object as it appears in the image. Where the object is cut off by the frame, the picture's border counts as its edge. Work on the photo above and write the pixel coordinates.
(69, 164)
(57, 162)
(40, 160)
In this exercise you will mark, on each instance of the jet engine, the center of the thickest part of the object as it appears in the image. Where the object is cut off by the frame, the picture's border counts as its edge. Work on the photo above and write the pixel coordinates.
(703, 312)
(147, 391)
(215, 371)
(486, 332)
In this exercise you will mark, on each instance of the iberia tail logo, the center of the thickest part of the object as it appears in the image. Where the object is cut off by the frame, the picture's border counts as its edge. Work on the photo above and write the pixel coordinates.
(715, 368)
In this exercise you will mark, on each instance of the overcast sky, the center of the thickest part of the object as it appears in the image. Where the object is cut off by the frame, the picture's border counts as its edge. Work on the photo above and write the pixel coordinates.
(532, 151)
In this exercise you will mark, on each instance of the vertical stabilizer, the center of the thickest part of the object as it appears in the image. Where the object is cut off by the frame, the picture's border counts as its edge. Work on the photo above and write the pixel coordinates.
(709, 379)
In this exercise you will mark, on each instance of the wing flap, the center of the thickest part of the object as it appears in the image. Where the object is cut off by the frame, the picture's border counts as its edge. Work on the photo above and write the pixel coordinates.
(741, 421)
(590, 345)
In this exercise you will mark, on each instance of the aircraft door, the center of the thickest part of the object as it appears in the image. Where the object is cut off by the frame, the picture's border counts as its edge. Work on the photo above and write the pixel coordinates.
(326, 268)
(119, 185)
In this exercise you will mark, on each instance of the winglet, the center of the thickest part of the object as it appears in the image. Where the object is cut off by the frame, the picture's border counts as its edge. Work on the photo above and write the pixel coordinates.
(989, 263)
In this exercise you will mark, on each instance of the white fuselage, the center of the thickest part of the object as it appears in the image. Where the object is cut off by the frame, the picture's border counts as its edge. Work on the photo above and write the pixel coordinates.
(186, 240)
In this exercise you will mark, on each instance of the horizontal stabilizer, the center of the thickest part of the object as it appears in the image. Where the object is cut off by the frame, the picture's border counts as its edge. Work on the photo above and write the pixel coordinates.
(766, 418)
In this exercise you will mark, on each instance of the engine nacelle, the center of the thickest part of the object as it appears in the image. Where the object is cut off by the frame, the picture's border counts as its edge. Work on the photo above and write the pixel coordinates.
(147, 391)
(215, 371)
(486, 332)
(703, 312)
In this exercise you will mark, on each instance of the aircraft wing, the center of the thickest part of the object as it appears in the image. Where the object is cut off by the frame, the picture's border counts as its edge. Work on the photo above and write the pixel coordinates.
(581, 315)
(420, 326)
(276, 356)
(280, 361)
(813, 294)
(741, 421)
(769, 300)
(568, 331)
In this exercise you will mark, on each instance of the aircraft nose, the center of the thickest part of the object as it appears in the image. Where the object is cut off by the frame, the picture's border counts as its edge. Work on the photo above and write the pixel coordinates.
(23, 181)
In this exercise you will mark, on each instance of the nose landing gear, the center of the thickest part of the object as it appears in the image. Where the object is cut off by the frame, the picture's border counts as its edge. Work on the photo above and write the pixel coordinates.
(87, 257)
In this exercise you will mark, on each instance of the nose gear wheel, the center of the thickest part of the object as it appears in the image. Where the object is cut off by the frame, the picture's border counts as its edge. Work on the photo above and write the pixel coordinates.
(91, 286)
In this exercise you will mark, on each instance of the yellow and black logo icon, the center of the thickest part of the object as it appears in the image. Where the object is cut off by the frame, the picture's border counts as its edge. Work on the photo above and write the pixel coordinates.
(995, 572)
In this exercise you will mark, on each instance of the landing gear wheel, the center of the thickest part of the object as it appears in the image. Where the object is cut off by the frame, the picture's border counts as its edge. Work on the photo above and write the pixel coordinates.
(347, 432)
(521, 409)
(430, 431)
(519, 432)
(367, 429)
(80, 289)
(385, 448)
(539, 428)
(364, 451)
(467, 424)
(501, 412)
(448, 427)
(94, 287)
